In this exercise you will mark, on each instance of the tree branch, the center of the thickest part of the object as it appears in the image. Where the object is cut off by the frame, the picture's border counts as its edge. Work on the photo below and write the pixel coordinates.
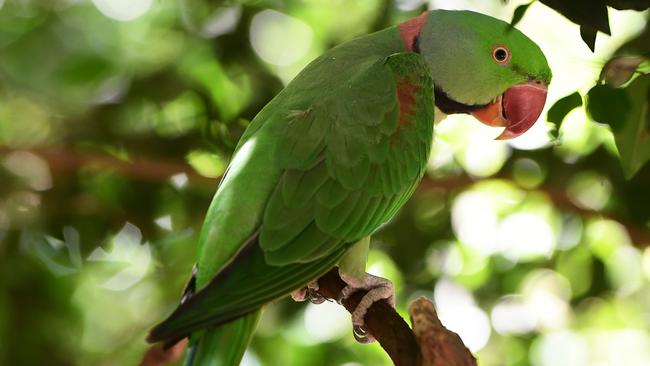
(439, 346)
(390, 330)
(428, 344)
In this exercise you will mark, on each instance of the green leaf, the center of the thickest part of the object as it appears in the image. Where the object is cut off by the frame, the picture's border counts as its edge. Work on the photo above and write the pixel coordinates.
(588, 35)
(626, 111)
(608, 105)
(619, 70)
(207, 164)
(591, 13)
(562, 107)
(629, 4)
(519, 13)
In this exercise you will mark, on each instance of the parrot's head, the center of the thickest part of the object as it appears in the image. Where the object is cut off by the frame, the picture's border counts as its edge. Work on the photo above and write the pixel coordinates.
(484, 66)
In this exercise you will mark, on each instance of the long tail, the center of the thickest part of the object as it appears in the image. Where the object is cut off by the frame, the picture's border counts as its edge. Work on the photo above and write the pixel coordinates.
(224, 345)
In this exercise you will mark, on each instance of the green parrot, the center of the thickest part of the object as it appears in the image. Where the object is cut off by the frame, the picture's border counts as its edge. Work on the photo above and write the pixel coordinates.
(333, 157)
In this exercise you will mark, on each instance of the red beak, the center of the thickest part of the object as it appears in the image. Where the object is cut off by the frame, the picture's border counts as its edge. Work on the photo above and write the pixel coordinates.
(517, 109)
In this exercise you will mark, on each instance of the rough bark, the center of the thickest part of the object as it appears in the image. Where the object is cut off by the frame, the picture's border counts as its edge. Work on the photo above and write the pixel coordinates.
(439, 346)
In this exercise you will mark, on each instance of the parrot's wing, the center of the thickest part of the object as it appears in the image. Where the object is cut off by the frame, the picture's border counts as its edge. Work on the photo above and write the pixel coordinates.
(349, 161)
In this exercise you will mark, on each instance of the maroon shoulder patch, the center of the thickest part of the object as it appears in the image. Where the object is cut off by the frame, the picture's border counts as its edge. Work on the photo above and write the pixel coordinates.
(406, 98)
(410, 30)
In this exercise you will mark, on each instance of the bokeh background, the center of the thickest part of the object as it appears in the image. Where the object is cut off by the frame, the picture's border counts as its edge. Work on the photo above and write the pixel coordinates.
(118, 116)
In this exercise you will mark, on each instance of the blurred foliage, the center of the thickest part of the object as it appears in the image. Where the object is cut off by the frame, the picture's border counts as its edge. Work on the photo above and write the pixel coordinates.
(591, 15)
(118, 116)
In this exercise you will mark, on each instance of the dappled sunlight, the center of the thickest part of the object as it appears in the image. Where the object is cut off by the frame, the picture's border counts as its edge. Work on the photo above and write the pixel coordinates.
(472, 144)
(179, 180)
(513, 316)
(475, 222)
(280, 40)
(483, 157)
(119, 119)
(580, 136)
(270, 28)
(528, 173)
(536, 137)
(380, 264)
(32, 168)
(547, 294)
(250, 359)
(589, 190)
(624, 270)
(646, 262)
(31, 123)
(123, 10)
(458, 312)
(326, 322)
(571, 232)
(606, 347)
(525, 236)
(223, 21)
(605, 236)
(125, 250)
(562, 348)
(205, 163)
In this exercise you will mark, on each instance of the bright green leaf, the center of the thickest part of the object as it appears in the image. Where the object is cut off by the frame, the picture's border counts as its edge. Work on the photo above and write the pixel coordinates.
(626, 111)
(588, 35)
(519, 13)
(207, 164)
(562, 107)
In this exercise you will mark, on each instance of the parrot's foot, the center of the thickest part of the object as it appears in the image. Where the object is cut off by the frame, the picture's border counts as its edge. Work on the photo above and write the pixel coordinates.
(309, 293)
(378, 289)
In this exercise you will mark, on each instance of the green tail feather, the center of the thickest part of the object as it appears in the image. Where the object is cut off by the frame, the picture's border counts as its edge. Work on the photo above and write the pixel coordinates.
(224, 345)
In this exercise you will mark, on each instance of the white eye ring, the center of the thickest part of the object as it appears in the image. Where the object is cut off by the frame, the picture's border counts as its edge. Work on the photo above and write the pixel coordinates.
(501, 54)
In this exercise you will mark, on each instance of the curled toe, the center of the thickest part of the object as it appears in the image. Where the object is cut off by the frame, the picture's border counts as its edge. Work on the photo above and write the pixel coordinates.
(361, 334)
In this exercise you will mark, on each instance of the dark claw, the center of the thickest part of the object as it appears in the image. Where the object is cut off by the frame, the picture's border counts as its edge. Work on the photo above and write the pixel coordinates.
(361, 334)
(314, 297)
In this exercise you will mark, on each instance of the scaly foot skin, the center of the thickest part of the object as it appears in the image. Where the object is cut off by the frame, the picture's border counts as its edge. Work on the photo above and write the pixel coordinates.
(378, 289)
(308, 293)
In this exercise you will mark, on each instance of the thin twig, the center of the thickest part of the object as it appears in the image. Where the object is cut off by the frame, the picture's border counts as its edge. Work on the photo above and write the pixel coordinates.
(63, 161)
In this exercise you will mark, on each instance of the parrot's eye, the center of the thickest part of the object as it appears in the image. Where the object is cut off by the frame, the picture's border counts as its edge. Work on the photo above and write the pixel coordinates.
(501, 54)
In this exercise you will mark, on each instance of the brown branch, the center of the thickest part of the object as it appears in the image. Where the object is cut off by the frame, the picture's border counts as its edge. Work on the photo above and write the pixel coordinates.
(439, 346)
(428, 344)
(62, 161)
(390, 330)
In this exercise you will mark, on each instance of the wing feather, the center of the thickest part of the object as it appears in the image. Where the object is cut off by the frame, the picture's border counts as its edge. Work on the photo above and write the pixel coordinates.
(372, 155)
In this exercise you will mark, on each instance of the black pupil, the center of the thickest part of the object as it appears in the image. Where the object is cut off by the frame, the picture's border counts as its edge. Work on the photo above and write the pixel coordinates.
(500, 54)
